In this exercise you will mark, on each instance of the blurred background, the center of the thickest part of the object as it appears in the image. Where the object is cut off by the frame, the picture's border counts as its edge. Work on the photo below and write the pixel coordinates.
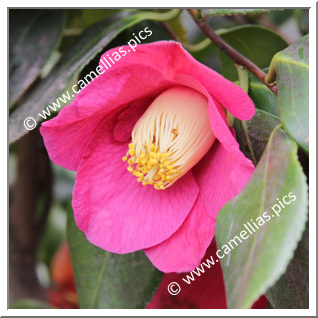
(40, 271)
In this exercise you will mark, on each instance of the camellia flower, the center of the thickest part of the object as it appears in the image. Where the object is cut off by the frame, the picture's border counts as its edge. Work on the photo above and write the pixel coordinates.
(154, 156)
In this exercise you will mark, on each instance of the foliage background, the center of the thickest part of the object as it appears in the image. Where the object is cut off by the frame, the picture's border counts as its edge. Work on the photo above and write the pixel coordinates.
(51, 49)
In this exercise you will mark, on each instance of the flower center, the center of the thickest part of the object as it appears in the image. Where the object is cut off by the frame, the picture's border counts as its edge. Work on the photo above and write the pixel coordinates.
(170, 137)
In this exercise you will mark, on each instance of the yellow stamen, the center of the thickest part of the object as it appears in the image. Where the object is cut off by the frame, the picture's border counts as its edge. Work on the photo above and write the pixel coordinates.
(170, 138)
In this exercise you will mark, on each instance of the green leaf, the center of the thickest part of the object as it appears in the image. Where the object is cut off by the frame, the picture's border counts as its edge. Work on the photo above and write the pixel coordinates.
(262, 96)
(106, 280)
(292, 68)
(280, 17)
(30, 304)
(292, 290)
(34, 34)
(207, 13)
(254, 265)
(256, 43)
(206, 54)
(83, 18)
(178, 28)
(253, 135)
(88, 45)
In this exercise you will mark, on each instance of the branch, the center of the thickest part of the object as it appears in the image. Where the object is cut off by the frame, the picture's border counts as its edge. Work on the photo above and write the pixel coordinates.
(237, 57)
(170, 31)
(27, 216)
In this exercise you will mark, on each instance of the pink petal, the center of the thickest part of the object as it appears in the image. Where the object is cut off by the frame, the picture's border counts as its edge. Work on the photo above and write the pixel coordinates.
(129, 117)
(221, 175)
(67, 135)
(66, 144)
(183, 251)
(216, 114)
(224, 170)
(116, 212)
(145, 73)
(171, 59)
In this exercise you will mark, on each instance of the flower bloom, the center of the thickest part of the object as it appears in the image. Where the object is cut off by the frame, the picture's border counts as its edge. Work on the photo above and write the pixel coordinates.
(154, 156)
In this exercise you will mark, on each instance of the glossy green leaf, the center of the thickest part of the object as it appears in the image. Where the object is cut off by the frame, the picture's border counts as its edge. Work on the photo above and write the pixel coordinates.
(88, 45)
(207, 56)
(292, 68)
(34, 34)
(207, 13)
(106, 280)
(254, 265)
(262, 96)
(256, 43)
(253, 135)
(292, 290)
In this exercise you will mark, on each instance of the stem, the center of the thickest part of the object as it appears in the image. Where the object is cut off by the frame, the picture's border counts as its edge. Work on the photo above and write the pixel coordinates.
(243, 77)
(170, 31)
(188, 46)
(244, 84)
(166, 16)
(198, 46)
(237, 57)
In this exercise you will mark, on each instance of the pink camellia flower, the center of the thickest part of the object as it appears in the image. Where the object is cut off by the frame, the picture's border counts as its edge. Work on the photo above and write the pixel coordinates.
(154, 156)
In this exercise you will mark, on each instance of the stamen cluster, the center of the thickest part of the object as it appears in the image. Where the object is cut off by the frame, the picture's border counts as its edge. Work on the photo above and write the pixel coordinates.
(151, 166)
(170, 137)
